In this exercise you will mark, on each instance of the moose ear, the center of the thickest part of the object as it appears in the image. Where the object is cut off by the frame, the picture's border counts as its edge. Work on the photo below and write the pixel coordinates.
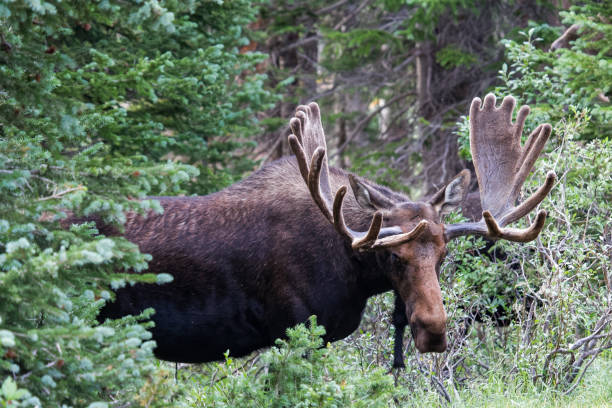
(368, 197)
(451, 196)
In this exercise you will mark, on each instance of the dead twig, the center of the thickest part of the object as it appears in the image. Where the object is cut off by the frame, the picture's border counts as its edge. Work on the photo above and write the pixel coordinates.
(60, 194)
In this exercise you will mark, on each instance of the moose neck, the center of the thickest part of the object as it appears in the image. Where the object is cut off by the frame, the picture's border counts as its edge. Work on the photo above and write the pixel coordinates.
(374, 272)
(371, 267)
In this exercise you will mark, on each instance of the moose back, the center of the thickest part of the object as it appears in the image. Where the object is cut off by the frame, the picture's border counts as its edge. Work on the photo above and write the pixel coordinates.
(289, 242)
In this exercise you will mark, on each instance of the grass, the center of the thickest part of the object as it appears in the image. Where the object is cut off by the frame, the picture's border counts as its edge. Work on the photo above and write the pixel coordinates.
(594, 391)
(494, 392)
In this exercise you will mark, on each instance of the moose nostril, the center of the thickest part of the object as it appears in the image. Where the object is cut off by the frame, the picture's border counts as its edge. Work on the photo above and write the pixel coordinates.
(428, 343)
(433, 326)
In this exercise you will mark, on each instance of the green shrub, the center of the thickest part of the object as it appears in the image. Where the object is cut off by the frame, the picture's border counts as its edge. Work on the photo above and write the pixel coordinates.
(298, 372)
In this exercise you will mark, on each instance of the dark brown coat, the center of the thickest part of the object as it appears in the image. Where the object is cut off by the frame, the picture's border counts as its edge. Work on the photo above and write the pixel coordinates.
(248, 262)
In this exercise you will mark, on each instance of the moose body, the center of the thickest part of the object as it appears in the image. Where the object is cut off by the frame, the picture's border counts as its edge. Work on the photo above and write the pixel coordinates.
(248, 262)
(268, 252)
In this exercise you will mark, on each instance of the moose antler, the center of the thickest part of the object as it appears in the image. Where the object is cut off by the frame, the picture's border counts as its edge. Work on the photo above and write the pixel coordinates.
(502, 165)
(308, 141)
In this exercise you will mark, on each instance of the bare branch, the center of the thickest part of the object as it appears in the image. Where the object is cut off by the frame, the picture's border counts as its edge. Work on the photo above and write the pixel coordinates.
(60, 194)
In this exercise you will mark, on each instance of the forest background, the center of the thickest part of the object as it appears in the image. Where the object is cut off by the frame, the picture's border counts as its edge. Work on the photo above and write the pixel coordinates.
(102, 102)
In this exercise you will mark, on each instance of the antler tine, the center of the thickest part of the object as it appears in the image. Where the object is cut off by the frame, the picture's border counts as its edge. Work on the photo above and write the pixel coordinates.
(299, 153)
(314, 181)
(502, 166)
(358, 239)
(398, 239)
(529, 204)
(530, 233)
(370, 239)
(308, 140)
(531, 152)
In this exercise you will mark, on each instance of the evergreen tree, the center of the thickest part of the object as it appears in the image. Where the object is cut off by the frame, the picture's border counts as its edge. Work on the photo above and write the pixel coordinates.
(101, 105)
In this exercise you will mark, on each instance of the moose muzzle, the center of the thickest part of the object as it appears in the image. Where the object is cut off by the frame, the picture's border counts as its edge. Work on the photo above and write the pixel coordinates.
(427, 320)
(429, 334)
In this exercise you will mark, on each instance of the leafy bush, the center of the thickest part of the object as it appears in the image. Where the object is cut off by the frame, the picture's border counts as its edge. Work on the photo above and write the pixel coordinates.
(553, 294)
(297, 372)
(564, 311)
(557, 289)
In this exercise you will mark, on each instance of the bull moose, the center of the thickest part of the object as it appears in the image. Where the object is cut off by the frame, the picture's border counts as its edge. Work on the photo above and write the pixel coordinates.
(288, 242)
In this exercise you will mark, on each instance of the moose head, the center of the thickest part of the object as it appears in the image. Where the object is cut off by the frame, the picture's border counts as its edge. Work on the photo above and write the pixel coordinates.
(412, 234)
